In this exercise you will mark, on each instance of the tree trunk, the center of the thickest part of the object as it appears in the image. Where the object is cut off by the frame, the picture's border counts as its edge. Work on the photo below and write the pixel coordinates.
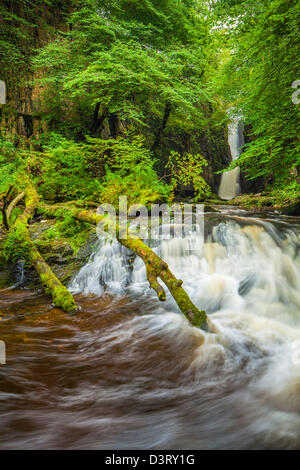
(61, 296)
(155, 266)
(13, 204)
(162, 126)
(98, 121)
(4, 198)
(114, 127)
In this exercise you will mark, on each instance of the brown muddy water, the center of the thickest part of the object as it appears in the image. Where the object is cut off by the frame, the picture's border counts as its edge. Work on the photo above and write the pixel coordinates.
(128, 372)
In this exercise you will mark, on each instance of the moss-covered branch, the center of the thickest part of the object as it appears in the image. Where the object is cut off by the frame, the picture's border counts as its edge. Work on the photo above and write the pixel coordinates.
(4, 197)
(14, 203)
(19, 236)
(156, 268)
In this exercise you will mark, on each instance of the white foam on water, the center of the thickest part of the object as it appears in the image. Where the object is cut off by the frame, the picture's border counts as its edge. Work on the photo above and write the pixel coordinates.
(106, 270)
(247, 277)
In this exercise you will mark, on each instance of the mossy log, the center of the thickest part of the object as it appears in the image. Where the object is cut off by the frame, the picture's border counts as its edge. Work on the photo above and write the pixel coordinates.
(78, 203)
(14, 203)
(61, 296)
(155, 266)
(4, 197)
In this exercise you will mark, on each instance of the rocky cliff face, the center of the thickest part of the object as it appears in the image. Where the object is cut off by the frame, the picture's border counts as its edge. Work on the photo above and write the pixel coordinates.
(25, 30)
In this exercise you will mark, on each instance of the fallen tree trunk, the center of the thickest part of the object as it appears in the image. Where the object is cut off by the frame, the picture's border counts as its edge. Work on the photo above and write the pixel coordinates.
(4, 198)
(19, 232)
(78, 203)
(14, 203)
(155, 266)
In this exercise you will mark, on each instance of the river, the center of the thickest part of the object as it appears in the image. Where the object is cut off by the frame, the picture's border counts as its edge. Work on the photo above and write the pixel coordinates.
(129, 372)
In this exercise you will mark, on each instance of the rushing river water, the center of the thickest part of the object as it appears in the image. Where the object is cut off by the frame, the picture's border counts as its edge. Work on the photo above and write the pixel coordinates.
(129, 372)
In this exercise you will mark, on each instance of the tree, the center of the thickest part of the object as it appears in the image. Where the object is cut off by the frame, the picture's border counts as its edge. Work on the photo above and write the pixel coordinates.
(129, 61)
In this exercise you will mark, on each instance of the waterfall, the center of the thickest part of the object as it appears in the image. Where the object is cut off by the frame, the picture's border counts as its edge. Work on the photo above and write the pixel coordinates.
(129, 371)
(246, 275)
(107, 270)
(230, 186)
(245, 265)
(20, 273)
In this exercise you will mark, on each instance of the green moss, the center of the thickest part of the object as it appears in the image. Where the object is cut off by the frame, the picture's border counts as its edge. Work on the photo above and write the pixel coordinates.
(60, 295)
(16, 246)
(199, 320)
(156, 267)
(62, 298)
(162, 296)
(68, 230)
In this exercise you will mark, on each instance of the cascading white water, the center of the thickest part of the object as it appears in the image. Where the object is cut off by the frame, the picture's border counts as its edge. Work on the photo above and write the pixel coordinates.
(247, 277)
(230, 186)
(129, 371)
(107, 270)
(244, 264)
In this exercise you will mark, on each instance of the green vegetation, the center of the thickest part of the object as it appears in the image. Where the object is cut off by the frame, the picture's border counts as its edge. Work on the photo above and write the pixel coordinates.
(20, 22)
(133, 97)
(257, 81)
(70, 229)
(139, 61)
(108, 98)
(16, 247)
(187, 169)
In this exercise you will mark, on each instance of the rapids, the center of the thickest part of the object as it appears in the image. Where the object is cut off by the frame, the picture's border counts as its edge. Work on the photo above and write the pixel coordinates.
(129, 372)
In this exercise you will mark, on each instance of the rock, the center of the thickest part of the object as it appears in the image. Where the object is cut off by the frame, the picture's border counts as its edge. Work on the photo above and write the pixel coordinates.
(6, 277)
(54, 247)
(293, 209)
(58, 253)
(208, 208)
